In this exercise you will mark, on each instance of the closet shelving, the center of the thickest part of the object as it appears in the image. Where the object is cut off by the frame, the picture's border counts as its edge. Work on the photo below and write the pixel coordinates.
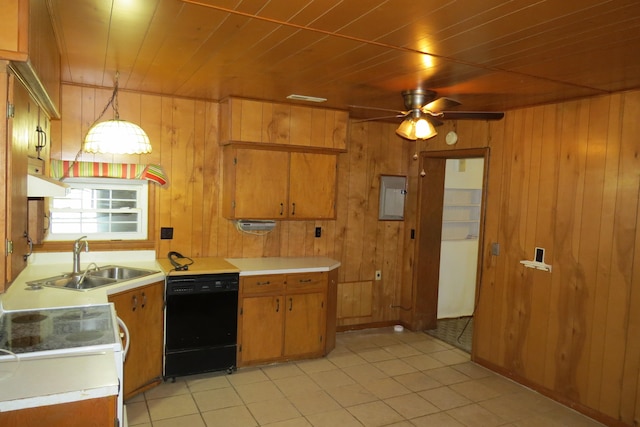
(461, 214)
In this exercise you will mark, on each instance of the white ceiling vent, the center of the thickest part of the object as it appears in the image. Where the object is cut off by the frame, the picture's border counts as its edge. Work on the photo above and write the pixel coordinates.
(296, 97)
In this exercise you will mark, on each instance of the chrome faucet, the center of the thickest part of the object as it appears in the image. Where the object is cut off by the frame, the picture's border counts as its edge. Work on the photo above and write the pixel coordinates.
(86, 270)
(78, 245)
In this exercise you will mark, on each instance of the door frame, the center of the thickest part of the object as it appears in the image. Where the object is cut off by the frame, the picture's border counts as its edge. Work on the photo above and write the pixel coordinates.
(426, 271)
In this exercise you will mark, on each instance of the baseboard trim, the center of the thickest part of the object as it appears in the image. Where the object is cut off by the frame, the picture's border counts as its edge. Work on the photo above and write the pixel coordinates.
(551, 394)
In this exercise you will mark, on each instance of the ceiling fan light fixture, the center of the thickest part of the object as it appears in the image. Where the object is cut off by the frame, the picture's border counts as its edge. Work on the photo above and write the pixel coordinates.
(424, 129)
(413, 129)
(407, 129)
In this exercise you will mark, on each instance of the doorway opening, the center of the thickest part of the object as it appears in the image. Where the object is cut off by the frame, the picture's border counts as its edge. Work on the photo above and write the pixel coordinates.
(451, 214)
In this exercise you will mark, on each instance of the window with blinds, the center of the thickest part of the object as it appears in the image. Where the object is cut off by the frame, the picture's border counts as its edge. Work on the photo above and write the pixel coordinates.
(100, 208)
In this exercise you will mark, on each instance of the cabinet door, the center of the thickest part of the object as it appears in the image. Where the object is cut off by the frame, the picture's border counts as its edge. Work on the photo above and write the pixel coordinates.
(16, 180)
(262, 323)
(312, 193)
(304, 324)
(261, 184)
(141, 310)
(149, 332)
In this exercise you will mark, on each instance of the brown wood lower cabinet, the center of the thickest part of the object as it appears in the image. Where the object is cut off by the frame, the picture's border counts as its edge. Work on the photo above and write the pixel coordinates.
(282, 317)
(304, 331)
(262, 323)
(142, 309)
(83, 413)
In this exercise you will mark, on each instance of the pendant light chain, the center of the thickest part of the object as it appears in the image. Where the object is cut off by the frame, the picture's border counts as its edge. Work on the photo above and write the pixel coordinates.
(113, 102)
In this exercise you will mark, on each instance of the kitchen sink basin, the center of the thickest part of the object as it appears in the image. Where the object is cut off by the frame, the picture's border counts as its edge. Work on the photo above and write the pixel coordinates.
(103, 276)
(69, 281)
(119, 273)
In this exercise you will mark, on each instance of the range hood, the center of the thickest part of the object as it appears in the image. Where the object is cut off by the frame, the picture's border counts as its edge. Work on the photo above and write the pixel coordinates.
(42, 186)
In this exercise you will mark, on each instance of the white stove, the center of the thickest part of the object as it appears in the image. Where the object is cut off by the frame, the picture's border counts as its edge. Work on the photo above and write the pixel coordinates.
(63, 331)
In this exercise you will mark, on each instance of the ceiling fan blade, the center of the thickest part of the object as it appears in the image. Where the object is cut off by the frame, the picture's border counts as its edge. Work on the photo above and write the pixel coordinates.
(441, 104)
(378, 118)
(470, 115)
(435, 121)
(362, 107)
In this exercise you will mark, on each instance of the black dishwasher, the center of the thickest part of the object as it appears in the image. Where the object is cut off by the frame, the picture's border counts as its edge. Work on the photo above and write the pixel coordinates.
(201, 323)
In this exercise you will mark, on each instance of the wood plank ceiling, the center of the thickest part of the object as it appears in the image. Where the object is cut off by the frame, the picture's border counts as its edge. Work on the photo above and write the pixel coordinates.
(489, 55)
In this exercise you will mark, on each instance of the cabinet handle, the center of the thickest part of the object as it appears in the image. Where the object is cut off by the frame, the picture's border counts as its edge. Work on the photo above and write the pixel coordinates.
(304, 280)
(134, 302)
(277, 305)
(290, 304)
(30, 243)
(144, 299)
(293, 211)
(281, 209)
(263, 283)
(41, 141)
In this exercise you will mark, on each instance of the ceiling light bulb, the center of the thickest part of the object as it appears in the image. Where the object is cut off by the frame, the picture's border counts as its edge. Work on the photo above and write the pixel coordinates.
(424, 129)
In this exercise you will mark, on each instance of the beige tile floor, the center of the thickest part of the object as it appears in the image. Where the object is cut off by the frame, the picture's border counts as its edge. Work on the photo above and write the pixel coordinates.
(372, 378)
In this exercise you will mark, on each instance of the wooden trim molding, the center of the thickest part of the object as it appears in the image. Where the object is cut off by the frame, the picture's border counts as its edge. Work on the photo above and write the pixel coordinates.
(589, 412)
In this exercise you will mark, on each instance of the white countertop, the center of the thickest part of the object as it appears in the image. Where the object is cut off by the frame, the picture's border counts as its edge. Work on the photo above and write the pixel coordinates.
(282, 265)
(19, 296)
(33, 382)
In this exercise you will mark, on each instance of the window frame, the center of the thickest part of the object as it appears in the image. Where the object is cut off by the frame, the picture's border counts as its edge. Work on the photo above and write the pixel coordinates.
(142, 191)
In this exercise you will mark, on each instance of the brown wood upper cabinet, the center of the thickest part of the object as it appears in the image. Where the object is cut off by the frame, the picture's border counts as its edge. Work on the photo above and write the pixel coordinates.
(276, 124)
(32, 50)
(15, 163)
(272, 184)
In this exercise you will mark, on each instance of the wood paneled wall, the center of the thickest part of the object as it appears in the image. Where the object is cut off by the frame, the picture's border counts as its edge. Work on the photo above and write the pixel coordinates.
(565, 177)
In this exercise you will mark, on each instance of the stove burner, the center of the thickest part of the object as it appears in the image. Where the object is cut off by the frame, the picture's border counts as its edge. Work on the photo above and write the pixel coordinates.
(25, 342)
(80, 315)
(84, 336)
(28, 318)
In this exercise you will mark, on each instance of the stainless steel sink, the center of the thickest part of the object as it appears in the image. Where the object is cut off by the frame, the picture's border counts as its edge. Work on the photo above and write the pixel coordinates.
(119, 273)
(68, 281)
(103, 276)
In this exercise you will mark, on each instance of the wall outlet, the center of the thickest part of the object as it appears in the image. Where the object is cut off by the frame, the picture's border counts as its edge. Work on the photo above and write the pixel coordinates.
(378, 275)
(318, 231)
(166, 233)
(495, 249)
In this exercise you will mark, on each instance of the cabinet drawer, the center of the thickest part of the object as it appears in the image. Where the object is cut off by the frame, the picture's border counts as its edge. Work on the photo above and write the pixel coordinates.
(306, 281)
(262, 284)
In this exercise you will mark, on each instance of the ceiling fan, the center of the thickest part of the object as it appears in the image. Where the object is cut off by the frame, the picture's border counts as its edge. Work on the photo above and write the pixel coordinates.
(425, 111)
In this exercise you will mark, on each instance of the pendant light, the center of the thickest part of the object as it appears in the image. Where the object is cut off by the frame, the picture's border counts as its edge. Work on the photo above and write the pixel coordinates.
(116, 136)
